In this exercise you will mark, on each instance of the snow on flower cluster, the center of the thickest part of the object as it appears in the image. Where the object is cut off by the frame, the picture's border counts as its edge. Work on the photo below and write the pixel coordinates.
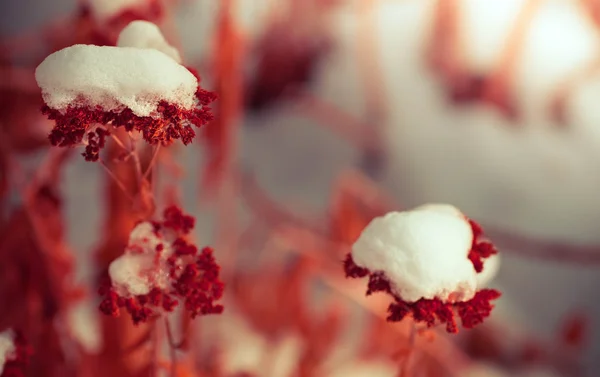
(14, 353)
(139, 86)
(159, 268)
(431, 260)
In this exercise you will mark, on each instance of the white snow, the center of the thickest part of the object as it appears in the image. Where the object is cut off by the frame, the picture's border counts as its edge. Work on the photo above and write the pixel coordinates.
(106, 9)
(113, 78)
(144, 34)
(7, 348)
(138, 270)
(245, 349)
(129, 276)
(83, 325)
(142, 238)
(423, 253)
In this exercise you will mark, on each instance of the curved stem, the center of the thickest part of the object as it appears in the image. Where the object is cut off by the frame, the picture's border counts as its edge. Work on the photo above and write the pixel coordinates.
(152, 162)
(115, 179)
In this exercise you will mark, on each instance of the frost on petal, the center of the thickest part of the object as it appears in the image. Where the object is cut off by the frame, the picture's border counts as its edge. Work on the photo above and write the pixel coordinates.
(144, 34)
(129, 274)
(7, 348)
(422, 253)
(106, 9)
(114, 78)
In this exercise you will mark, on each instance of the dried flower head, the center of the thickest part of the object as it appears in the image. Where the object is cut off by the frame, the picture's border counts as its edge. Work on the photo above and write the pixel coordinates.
(160, 268)
(87, 88)
(428, 259)
(14, 353)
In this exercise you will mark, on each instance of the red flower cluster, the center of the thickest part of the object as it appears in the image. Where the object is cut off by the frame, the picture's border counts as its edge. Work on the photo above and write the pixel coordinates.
(193, 276)
(15, 364)
(173, 123)
(432, 311)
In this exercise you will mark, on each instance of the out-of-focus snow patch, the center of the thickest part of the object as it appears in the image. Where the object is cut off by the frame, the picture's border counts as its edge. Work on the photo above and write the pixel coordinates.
(144, 34)
(366, 369)
(7, 348)
(106, 9)
(245, 350)
(83, 325)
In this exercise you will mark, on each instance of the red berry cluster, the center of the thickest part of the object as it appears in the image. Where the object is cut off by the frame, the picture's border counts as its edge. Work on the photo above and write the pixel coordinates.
(193, 277)
(17, 363)
(171, 123)
(432, 311)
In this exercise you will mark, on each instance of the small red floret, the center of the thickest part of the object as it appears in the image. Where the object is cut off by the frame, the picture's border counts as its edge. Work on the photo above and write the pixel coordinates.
(480, 250)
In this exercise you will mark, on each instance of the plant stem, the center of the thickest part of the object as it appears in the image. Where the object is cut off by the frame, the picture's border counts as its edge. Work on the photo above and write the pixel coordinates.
(116, 179)
(152, 162)
(172, 347)
(405, 367)
(136, 160)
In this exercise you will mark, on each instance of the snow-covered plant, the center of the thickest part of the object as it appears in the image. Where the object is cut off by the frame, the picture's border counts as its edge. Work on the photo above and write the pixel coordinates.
(91, 91)
(428, 259)
(160, 268)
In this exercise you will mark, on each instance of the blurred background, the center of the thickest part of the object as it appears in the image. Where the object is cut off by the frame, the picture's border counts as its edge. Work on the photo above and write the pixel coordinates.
(488, 105)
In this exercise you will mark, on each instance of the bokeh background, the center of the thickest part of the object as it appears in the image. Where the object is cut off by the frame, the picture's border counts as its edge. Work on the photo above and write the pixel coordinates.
(533, 177)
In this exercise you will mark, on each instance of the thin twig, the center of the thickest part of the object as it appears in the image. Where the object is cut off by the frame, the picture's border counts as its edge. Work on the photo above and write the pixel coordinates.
(136, 160)
(152, 162)
(336, 120)
(116, 179)
(118, 142)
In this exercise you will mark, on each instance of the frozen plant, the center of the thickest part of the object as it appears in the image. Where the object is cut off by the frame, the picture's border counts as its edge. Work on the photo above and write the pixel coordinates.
(160, 268)
(90, 89)
(428, 259)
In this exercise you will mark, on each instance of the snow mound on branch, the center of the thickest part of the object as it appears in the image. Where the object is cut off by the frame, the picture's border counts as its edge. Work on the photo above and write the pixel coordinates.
(114, 78)
(144, 34)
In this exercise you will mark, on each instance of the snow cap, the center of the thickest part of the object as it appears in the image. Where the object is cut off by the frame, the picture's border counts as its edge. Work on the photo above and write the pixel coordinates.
(114, 78)
(422, 252)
